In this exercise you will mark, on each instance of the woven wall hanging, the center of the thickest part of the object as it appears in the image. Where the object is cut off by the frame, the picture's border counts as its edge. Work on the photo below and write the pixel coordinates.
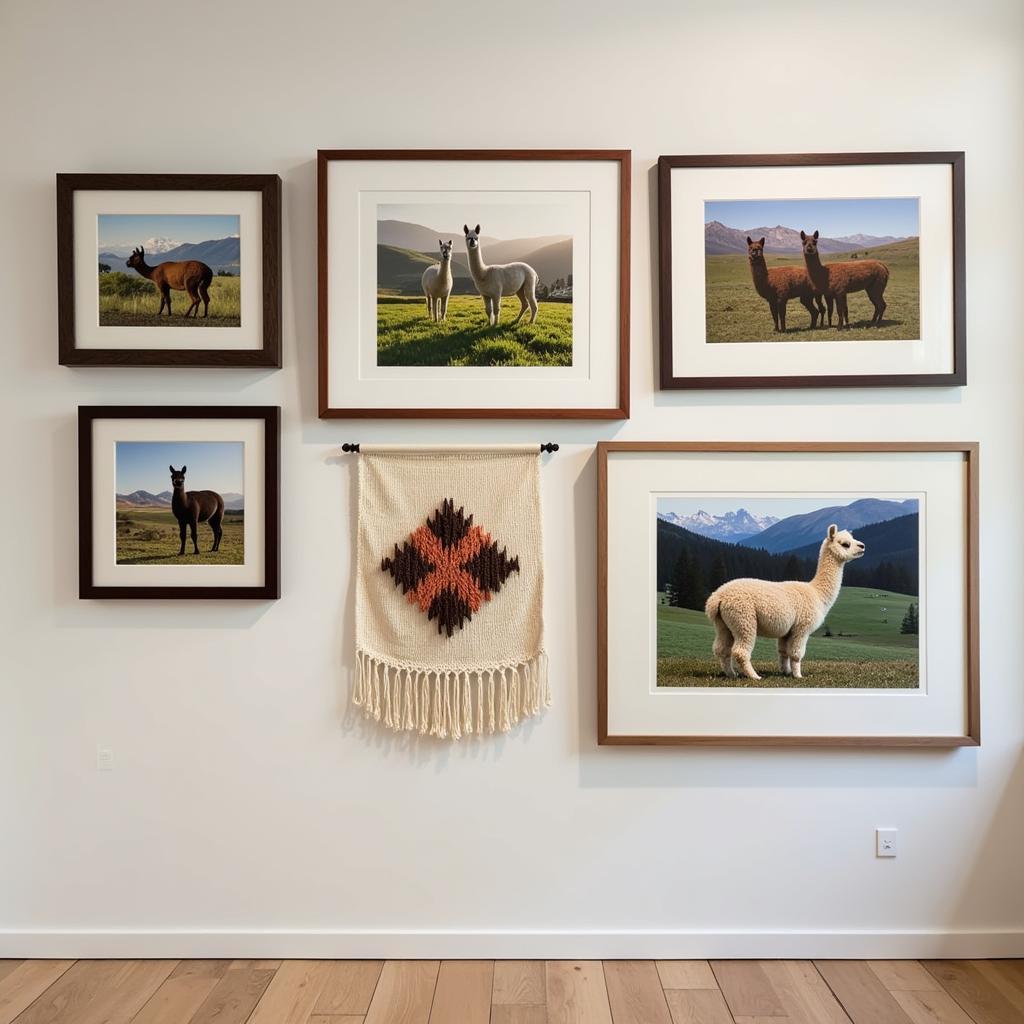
(449, 590)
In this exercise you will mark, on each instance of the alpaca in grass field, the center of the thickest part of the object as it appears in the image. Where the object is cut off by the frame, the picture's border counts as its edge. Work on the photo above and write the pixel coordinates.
(744, 609)
(778, 285)
(437, 283)
(501, 279)
(836, 280)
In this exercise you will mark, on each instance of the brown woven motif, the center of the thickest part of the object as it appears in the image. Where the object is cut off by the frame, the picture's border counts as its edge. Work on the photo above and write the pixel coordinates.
(449, 567)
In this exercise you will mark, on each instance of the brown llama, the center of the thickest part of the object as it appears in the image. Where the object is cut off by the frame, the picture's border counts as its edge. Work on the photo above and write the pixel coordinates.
(192, 276)
(836, 280)
(191, 508)
(780, 284)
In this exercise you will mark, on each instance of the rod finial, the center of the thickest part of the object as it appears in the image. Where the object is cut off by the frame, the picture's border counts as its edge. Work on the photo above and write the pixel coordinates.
(349, 447)
(549, 447)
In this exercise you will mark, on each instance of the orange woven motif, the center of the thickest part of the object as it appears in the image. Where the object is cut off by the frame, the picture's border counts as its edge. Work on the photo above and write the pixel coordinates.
(449, 567)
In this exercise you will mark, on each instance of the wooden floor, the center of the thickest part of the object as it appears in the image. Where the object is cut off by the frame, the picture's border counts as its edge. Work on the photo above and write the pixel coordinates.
(511, 992)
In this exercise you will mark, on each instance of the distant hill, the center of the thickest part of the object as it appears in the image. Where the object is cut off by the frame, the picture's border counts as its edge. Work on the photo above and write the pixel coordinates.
(233, 501)
(731, 526)
(809, 528)
(719, 239)
(218, 253)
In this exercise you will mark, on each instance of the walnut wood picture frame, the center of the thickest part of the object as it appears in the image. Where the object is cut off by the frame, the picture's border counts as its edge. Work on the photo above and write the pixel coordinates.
(220, 238)
(722, 294)
(563, 214)
(905, 674)
(129, 533)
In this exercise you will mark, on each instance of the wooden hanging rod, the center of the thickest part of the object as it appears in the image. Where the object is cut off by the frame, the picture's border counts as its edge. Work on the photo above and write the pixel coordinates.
(353, 448)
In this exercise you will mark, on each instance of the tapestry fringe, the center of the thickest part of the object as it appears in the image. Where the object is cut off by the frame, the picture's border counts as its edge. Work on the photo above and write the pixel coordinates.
(451, 704)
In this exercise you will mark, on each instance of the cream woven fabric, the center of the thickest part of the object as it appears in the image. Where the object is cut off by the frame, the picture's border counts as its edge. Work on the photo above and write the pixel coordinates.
(449, 592)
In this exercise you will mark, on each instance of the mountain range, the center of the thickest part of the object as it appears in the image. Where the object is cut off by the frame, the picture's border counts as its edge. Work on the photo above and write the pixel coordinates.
(731, 526)
(217, 253)
(720, 239)
(233, 502)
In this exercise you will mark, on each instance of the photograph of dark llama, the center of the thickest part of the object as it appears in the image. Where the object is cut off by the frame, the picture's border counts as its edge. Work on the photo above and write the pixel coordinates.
(180, 503)
(169, 270)
(474, 283)
(812, 270)
(789, 590)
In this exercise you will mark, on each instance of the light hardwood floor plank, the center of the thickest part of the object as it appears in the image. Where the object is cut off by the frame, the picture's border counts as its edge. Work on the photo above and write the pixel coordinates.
(131, 988)
(635, 994)
(860, 992)
(577, 993)
(903, 976)
(519, 1013)
(292, 993)
(931, 1007)
(973, 992)
(686, 974)
(235, 996)
(1004, 977)
(349, 987)
(404, 992)
(747, 989)
(70, 995)
(21, 987)
(178, 998)
(803, 993)
(463, 992)
(518, 983)
(7, 966)
(698, 1006)
(336, 1018)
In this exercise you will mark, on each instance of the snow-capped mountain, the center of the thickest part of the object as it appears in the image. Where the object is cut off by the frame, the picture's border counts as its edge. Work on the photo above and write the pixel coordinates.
(731, 526)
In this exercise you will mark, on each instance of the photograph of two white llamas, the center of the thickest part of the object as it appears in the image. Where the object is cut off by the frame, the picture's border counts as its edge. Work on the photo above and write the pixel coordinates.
(789, 591)
(474, 283)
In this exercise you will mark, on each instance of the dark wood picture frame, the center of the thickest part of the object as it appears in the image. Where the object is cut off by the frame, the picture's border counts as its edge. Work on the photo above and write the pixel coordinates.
(622, 156)
(269, 185)
(673, 378)
(972, 696)
(271, 417)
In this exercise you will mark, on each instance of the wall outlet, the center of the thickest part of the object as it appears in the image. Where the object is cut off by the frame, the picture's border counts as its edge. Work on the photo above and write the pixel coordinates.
(104, 759)
(885, 842)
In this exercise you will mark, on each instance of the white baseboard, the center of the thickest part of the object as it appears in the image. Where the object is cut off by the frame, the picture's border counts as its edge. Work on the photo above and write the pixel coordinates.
(549, 945)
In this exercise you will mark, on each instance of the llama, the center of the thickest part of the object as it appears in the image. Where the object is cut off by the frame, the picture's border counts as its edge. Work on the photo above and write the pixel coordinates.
(437, 283)
(790, 611)
(837, 280)
(192, 276)
(501, 279)
(191, 508)
(780, 284)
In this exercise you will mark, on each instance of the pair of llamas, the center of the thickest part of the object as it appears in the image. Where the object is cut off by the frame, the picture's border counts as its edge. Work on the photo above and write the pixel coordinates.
(833, 281)
(492, 282)
(789, 611)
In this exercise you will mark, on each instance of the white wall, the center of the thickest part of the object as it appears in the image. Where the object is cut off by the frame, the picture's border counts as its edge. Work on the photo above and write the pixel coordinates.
(244, 798)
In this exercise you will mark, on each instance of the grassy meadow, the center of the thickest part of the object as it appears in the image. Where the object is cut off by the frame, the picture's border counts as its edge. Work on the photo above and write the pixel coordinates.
(149, 536)
(735, 312)
(128, 300)
(866, 649)
(406, 336)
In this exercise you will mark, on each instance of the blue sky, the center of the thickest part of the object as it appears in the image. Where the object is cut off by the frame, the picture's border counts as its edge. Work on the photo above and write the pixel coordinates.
(780, 507)
(129, 229)
(832, 217)
(212, 465)
(497, 220)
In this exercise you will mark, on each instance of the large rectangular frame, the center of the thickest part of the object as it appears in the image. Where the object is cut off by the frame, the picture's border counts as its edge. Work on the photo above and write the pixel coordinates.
(269, 185)
(622, 157)
(670, 379)
(271, 416)
(969, 450)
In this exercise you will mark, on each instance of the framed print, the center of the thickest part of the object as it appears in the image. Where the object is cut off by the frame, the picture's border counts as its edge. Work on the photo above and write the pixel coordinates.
(178, 501)
(474, 283)
(800, 594)
(812, 270)
(169, 269)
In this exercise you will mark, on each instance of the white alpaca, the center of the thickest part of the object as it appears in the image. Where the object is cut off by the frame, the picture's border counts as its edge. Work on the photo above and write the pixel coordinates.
(741, 610)
(501, 279)
(437, 283)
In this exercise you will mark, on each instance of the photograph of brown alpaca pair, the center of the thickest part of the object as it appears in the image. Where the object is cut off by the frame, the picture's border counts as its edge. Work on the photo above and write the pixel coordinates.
(869, 251)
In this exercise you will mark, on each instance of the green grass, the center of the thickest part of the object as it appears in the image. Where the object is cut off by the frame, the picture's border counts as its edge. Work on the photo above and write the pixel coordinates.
(735, 312)
(128, 300)
(406, 336)
(149, 536)
(866, 649)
